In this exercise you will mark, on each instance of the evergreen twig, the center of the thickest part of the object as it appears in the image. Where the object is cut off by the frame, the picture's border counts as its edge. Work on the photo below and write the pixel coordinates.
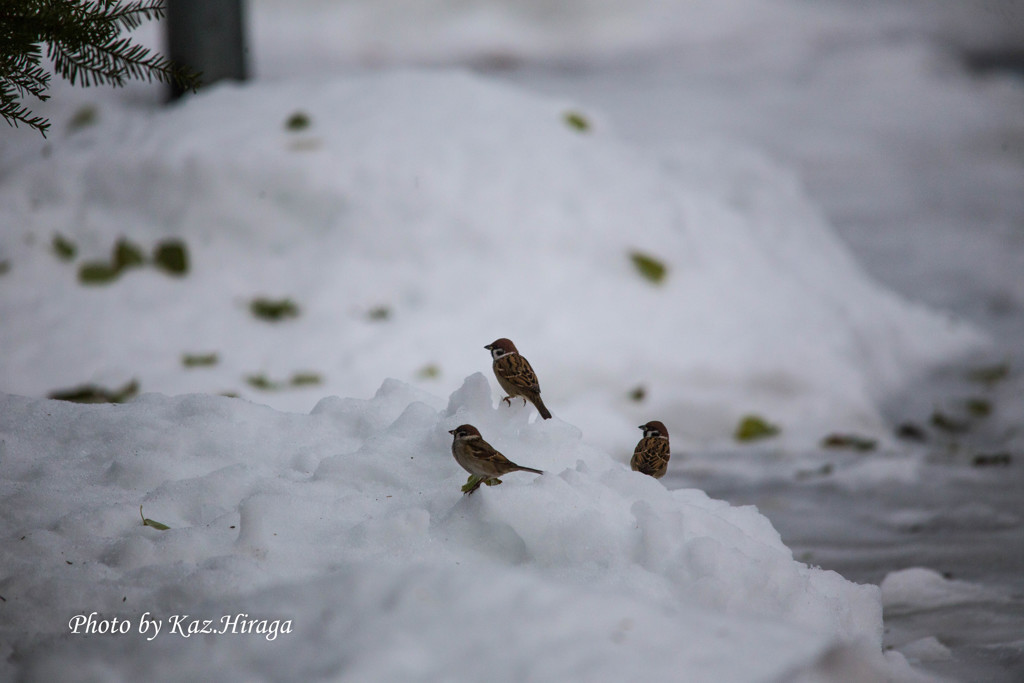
(85, 41)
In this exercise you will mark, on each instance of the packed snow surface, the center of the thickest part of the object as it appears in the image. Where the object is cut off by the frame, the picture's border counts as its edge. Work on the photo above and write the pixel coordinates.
(344, 539)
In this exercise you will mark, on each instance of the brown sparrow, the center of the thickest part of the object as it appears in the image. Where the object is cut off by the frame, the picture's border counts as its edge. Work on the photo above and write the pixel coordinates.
(651, 454)
(480, 459)
(515, 375)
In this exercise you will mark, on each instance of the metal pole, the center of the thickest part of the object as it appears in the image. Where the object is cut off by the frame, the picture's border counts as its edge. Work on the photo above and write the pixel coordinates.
(209, 37)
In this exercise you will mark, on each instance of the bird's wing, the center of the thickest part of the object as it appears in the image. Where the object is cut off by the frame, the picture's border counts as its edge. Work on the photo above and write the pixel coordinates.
(485, 452)
(651, 453)
(516, 370)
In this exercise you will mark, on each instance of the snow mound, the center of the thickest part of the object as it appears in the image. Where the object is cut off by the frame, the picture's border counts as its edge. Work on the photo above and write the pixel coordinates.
(928, 649)
(417, 217)
(345, 534)
(922, 588)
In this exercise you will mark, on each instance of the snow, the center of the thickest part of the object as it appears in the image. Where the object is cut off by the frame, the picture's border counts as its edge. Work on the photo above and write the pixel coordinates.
(919, 587)
(927, 649)
(345, 533)
(465, 210)
(423, 213)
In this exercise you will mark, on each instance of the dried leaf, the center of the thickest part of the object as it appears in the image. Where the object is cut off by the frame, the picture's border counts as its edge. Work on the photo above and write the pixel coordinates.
(303, 379)
(992, 459)
(649, 267)
(989, 374)
(263, 383)
(64, 248)
(948, 423)
(429, 371)
(823, 471)
(273, 310)
(198, 360)
(754, 427)
(577, 121)
(911, 432)
(92, 393)
(379, 313)
(86, 115)
(149, 522)
(97, 273)
(127, 255)
(171, 256)
(851, 441)
(978, 407)
(298, 121)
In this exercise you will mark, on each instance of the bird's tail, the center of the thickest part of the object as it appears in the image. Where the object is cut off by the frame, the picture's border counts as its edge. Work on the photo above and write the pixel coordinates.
(529, 469)
(542, 409)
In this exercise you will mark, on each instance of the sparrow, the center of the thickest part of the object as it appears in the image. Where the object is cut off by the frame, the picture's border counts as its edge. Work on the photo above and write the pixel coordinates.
(651, 454)
(515, 375)
(480, 459)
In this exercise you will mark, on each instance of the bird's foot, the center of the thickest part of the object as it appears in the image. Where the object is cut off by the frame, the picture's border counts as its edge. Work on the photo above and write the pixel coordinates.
(508, 401)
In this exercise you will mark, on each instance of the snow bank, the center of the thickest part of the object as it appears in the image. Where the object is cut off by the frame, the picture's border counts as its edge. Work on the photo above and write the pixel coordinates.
(928, 649)
(347, 529)
(922, 588)
(419, 216)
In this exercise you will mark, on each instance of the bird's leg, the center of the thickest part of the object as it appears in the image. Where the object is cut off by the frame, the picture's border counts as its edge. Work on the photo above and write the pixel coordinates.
(493, 481)
(524, 400)
(508, 401)
(472, 484)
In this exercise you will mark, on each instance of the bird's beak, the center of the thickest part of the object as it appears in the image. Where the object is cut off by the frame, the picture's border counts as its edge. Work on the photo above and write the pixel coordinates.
(640, 427)
(488, 347)
(451, 431)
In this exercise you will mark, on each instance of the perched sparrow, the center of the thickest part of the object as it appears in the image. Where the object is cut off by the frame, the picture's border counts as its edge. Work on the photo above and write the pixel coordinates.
(515, 375)
(651, 454)
(479, 458)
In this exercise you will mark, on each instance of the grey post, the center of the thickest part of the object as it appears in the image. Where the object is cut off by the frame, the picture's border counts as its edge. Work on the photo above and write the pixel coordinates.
(209, 37)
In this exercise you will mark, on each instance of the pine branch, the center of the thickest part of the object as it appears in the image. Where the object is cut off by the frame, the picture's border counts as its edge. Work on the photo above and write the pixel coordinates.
(33, 80)
(84, 65)
(25, 73)
(139, 62)
(84, 41)
(131, 15)
(13, 112)
(108, 58)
